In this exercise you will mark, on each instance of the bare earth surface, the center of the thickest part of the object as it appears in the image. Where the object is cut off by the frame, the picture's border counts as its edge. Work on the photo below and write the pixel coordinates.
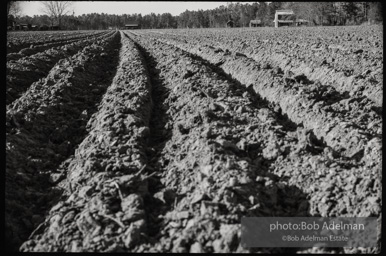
(162, 140)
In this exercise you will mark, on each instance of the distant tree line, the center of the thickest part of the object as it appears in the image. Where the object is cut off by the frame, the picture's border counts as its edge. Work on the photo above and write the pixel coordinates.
(317, 13)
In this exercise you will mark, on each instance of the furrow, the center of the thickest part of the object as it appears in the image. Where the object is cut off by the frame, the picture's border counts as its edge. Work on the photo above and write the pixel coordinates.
(44, 126)
(229, 157)
(23, 72)
(40, 48)
(106, 183)
(351, 133)
(20, 40)
(162, 141)
(160, 133)
(297, 60)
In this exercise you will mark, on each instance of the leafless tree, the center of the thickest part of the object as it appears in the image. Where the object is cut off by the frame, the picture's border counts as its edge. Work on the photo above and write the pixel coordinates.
(56, 9)
(13, 8)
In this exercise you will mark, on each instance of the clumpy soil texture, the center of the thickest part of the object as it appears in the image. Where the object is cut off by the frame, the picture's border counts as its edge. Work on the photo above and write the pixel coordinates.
(44, 126)
(24, 69)
(160, 141)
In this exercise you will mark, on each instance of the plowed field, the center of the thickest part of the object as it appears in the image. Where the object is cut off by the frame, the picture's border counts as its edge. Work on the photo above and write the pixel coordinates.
(162, 140)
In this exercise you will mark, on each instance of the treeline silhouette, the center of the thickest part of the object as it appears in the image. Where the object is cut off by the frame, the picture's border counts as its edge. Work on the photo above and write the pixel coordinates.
(317, 13)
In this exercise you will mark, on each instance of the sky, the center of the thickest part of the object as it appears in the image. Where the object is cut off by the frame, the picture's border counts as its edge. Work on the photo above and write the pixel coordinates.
(32, 8)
